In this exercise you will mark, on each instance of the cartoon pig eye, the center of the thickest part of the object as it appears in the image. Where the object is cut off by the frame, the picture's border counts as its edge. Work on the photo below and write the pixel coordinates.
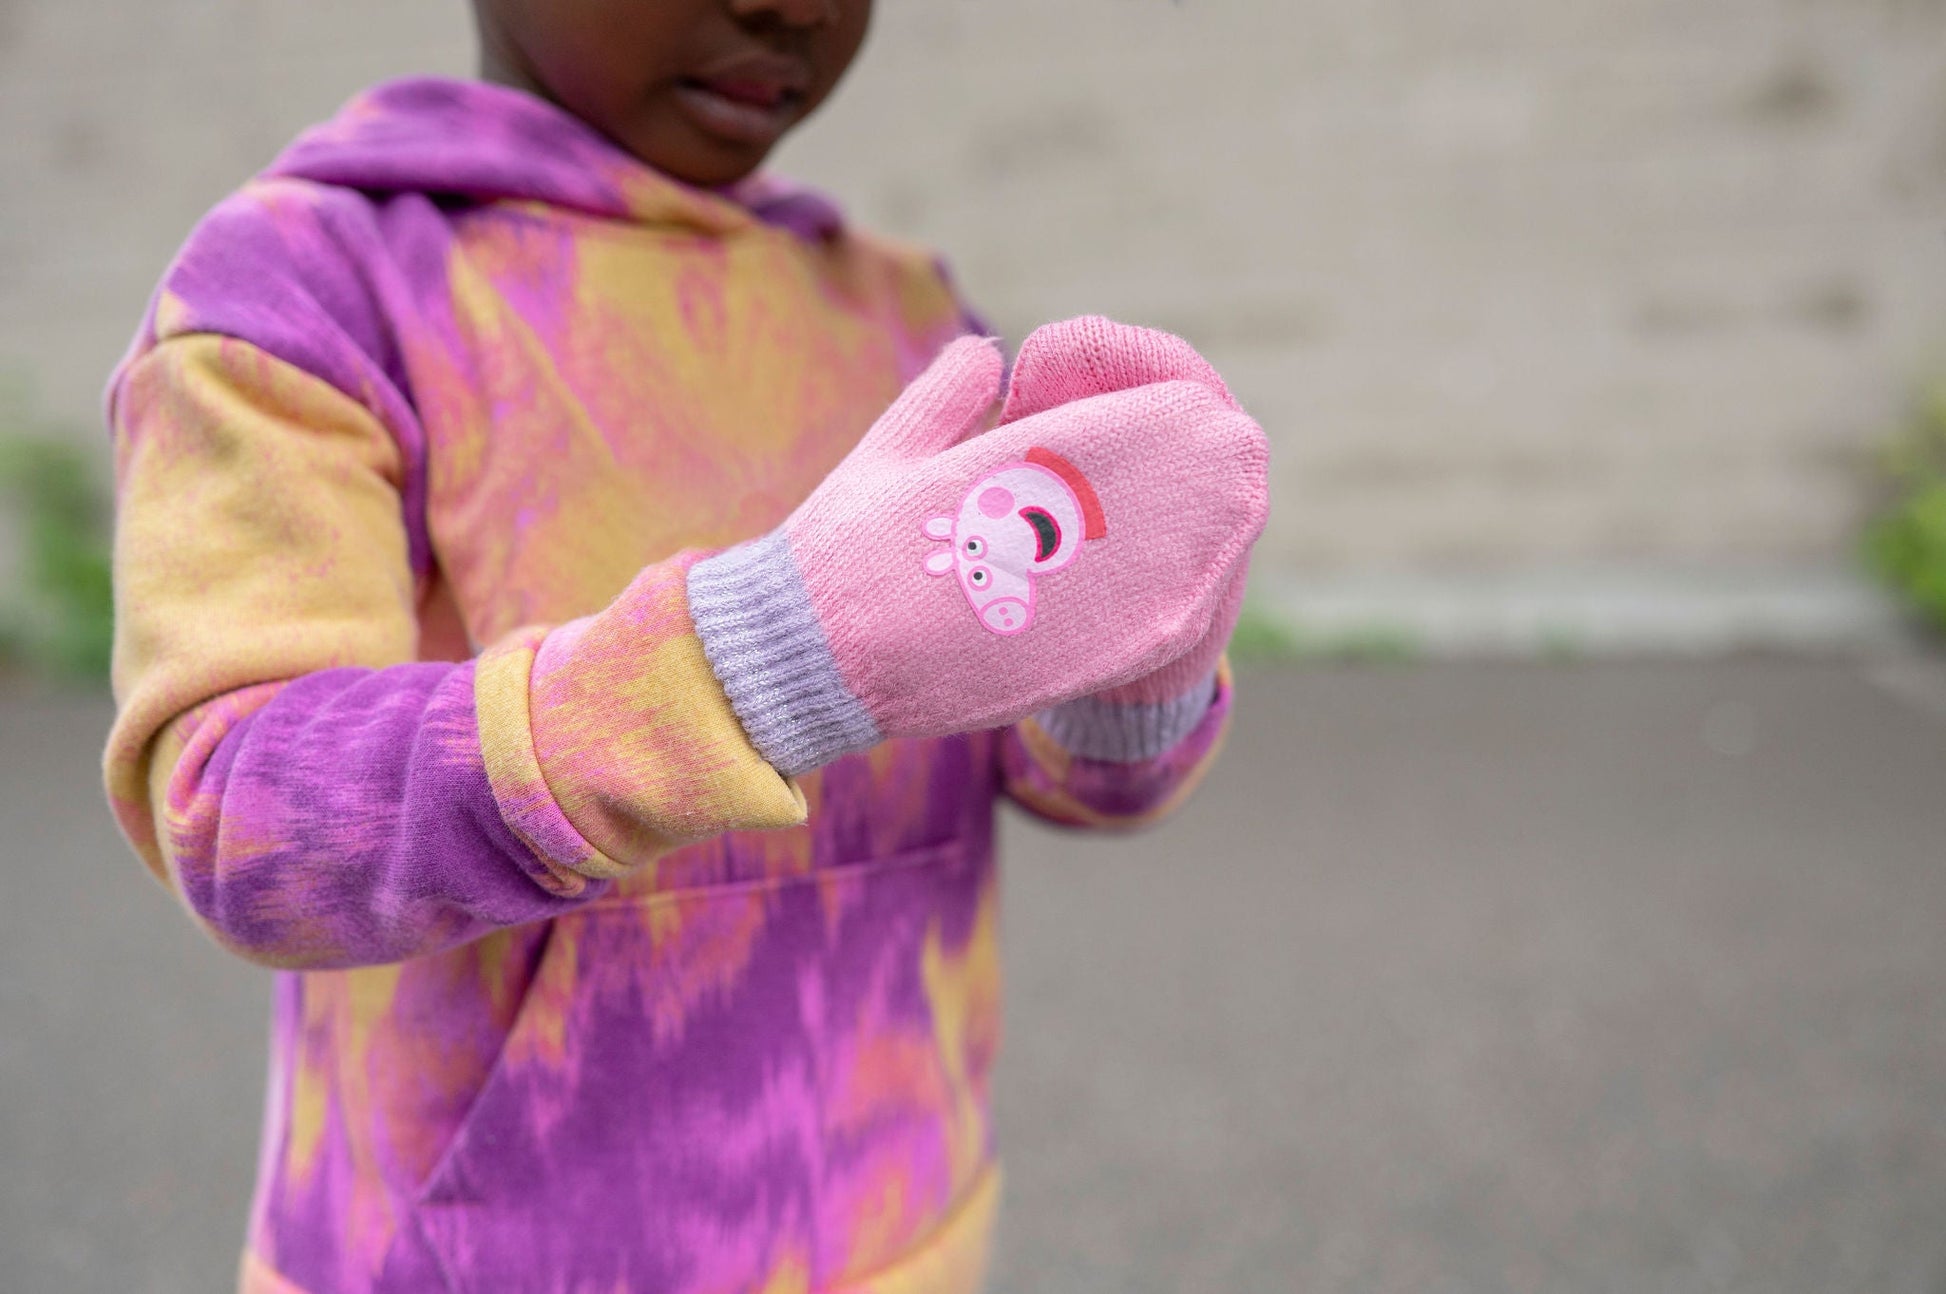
(976, 547)
(977, 577)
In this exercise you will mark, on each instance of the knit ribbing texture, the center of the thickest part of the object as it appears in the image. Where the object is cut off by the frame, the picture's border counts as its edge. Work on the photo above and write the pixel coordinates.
(765, 644)
(1126, 732)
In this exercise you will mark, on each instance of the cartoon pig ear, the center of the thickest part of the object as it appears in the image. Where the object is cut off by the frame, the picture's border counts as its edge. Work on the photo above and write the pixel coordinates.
(939, 563)
(939, 527)
(1095, 524)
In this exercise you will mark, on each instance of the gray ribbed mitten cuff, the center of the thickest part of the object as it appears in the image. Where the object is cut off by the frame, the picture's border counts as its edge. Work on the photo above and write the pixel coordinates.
(764, 641)
(1123, 732)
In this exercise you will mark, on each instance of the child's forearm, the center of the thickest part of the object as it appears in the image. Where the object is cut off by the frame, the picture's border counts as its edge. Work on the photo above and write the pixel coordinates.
(364, 816)
(315, 796)
(342, 818)
(1063, 786)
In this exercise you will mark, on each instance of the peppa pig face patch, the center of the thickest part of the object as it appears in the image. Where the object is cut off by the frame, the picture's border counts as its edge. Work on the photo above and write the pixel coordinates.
(1019, 521)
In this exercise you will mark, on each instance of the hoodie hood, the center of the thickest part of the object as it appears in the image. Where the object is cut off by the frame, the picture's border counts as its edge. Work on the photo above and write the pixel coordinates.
(491, 143)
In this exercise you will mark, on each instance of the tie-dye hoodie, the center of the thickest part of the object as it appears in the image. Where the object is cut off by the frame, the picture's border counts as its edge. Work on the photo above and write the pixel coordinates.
(575, 992)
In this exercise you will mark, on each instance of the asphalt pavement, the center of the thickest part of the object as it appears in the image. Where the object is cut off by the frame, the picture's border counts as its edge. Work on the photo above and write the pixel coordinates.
(1462, 977)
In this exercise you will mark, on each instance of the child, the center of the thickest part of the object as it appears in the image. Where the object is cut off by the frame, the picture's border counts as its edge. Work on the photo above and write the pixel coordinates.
(519, 647)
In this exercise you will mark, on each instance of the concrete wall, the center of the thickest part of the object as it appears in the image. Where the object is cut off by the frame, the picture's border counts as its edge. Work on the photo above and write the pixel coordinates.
(1515, 284)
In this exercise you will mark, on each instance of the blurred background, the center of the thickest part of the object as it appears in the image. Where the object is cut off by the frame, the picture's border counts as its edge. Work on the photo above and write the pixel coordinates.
(1571, 911)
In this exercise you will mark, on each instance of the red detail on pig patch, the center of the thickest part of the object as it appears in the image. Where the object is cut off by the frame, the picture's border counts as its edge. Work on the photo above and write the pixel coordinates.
(1095, 523)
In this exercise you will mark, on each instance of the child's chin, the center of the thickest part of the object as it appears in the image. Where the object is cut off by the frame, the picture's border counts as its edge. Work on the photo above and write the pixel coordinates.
(678, 149)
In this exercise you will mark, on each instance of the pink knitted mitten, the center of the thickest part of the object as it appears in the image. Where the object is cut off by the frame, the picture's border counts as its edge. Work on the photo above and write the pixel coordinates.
(937, 583)
(1089, 356)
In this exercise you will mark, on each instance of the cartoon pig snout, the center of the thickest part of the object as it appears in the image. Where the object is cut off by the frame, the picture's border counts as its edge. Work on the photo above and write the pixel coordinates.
(1006, 615)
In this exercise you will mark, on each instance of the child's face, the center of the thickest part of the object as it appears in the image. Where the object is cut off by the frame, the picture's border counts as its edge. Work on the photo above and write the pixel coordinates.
(699, 89)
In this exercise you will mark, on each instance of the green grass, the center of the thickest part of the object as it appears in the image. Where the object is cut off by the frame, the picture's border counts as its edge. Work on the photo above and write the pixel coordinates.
(1264, 635)
(1259, 635)
(1561, 646)
(52, 496)
(1905, 544)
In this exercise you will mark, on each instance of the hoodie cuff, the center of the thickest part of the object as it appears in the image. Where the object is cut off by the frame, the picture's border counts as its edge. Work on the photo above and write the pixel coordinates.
(1120, 732)
(768, 650)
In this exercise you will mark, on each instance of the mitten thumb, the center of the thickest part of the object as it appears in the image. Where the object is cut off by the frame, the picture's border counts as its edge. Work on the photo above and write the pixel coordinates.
(1090, 355)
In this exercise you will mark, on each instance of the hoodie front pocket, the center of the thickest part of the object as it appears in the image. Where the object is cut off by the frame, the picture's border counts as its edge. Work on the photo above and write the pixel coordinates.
(710, 1090)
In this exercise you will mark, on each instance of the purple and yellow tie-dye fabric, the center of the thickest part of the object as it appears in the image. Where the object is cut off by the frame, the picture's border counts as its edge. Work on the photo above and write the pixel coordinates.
(419, 436)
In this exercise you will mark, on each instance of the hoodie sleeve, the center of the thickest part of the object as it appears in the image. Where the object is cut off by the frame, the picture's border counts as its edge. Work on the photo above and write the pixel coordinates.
(315, 794)
(1040, 771)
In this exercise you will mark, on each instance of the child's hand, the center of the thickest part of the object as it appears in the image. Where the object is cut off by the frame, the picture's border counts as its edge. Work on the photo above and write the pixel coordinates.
(1072, 360)
(935, 583)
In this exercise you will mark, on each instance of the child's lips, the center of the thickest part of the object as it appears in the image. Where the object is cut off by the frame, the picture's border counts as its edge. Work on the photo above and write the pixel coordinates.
(745, 107)
(756, 93)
